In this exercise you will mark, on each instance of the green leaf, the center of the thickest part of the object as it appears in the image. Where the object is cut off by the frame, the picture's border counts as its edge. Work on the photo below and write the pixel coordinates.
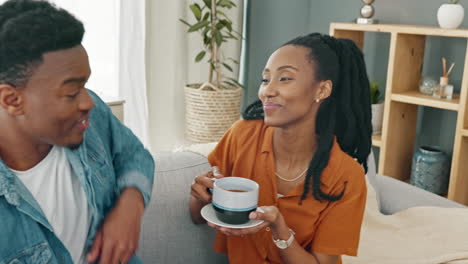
(196, 10)
(205, 33)
(237, 33)
(219, 26)
(224, 15)
(226, 3)
(227, 24)
(207, 3)
(227, 67)
(218, 38)
(200, 56)
(198, 26)
(185, 22)
(230, 83)
(206, 30)
(233, 60)
(206, 40)
(206, 16)
(236, 82)
(232, 36)
(374, 92)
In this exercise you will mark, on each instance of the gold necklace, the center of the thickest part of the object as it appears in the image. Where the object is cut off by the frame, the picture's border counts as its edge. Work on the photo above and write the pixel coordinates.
(291, 180)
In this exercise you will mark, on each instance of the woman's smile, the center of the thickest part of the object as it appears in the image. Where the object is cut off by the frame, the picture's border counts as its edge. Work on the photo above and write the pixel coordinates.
(269, 107)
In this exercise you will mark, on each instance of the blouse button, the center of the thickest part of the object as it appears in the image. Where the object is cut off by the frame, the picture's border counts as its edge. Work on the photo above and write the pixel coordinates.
(267, 229)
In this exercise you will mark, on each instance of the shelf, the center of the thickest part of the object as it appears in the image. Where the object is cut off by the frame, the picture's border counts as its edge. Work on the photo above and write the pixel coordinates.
(417, 98)
(405, 61)
(464, 132)
(403, 29)
(377, 140)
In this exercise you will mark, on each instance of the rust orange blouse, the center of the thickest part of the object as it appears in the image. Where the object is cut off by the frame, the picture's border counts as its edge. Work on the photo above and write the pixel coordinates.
(325, 227)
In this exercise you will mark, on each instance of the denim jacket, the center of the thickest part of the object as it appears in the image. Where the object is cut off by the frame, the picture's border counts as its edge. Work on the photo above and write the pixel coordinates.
(109, 160)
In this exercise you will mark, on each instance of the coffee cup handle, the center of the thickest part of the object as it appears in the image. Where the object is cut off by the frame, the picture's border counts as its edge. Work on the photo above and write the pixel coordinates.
(210, 190)
(215, 170)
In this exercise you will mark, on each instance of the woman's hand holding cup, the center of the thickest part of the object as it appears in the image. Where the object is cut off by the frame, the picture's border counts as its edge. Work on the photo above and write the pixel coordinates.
(203, 183)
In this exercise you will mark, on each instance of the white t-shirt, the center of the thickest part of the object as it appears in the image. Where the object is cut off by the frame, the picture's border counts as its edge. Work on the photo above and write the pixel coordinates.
(58, 191)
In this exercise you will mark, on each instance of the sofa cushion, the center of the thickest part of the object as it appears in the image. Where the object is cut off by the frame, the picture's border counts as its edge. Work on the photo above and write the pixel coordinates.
(396, 196)
(168, 234)
(372, 174)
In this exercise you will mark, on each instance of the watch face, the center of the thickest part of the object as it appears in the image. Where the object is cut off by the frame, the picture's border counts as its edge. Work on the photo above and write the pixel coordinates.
(282, 244)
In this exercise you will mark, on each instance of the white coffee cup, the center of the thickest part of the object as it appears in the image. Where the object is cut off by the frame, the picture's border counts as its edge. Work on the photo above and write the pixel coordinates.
(234, 198)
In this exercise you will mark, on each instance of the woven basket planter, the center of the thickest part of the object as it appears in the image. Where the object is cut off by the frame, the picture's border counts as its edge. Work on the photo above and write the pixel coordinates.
(210, 111)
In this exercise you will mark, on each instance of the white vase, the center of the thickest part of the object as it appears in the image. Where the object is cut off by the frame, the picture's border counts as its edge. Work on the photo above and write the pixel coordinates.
(450, 15)
(377, 118)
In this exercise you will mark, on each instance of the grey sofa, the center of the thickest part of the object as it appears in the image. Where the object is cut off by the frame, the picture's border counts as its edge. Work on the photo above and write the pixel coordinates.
(169, 236)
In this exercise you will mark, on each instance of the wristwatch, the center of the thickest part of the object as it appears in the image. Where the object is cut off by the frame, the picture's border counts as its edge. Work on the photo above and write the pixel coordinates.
(284, 244)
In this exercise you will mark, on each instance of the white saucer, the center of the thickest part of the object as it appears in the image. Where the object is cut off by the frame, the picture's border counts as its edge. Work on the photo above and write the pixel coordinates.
(209, 214)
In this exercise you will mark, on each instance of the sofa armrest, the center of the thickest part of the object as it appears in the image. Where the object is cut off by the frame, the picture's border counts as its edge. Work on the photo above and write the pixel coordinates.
(395, 196)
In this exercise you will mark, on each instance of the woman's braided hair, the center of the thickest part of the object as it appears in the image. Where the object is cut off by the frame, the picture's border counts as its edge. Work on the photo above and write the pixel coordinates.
(346, 113)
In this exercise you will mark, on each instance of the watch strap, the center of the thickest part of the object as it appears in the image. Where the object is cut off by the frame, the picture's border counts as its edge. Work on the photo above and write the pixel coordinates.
(284, 244)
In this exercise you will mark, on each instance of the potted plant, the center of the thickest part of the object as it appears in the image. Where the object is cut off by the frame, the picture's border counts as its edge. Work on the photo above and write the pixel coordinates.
(377, 106)
(450, 15)
(212, 106)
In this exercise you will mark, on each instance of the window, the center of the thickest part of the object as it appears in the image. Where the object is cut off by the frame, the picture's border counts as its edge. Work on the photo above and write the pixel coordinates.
(101, 21)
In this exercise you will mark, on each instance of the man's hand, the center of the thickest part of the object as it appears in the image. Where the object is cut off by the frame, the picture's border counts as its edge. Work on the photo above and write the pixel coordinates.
(117, 239)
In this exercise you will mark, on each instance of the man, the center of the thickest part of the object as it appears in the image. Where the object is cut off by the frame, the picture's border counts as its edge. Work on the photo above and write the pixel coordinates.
(73, 180)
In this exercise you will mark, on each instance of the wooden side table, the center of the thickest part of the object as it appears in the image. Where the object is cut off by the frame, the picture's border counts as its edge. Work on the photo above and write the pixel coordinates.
(117, 108)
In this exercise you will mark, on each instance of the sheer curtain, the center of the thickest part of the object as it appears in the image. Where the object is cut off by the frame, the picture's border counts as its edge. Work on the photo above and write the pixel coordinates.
(171, 52)
(132, 66)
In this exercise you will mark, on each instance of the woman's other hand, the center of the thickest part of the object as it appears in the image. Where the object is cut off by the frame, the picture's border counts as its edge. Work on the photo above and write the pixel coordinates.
(200, 194)
(271, 216)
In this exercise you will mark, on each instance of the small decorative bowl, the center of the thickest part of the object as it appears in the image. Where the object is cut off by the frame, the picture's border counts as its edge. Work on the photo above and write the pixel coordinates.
(427, 84)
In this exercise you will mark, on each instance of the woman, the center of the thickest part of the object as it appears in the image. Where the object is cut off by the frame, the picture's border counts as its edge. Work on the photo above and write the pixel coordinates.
(304, 143)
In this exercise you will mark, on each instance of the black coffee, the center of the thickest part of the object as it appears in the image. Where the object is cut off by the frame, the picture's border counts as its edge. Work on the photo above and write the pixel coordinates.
(237, 190)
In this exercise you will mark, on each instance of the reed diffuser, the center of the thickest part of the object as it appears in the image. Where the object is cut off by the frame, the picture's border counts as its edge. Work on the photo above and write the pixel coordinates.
(444, 90)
